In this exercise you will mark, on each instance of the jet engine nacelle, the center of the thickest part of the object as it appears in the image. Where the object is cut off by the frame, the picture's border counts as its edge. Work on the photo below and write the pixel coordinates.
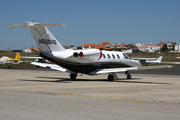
(92, 54)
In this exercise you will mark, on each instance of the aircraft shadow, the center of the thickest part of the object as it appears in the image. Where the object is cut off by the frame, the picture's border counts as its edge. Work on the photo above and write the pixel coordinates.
(66, 80)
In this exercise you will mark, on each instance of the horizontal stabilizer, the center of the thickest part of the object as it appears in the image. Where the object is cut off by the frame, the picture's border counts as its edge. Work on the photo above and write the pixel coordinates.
(52, 66)
(36, 24)
(44, 39)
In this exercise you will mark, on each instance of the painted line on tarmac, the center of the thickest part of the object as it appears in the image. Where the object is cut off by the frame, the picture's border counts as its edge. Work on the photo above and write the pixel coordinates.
(88, 96)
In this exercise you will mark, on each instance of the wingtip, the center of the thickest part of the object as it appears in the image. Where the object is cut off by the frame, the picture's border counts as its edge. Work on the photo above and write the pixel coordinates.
(64, 25)
(9, 27)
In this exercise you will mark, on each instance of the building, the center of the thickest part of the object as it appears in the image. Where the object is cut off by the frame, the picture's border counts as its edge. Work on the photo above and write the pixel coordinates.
(120, 47)
(131, 46)
(30, 50)
(177, 47)
(101, 47)
(151, 47)
(139, 44)
(171, 45)
(90, 46)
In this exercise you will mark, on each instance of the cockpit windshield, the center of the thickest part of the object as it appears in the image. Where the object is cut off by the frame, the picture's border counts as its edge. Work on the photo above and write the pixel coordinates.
(126, 56)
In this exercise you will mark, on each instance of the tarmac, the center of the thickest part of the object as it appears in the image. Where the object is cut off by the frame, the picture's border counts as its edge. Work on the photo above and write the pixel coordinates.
(48, 94)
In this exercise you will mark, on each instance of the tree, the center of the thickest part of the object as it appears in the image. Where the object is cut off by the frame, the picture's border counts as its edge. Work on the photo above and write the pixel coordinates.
(164, 48)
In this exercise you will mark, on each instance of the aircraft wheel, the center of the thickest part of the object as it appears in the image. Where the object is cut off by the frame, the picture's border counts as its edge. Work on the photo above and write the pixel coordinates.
(73, 76)
(110, 77)
(129, 76)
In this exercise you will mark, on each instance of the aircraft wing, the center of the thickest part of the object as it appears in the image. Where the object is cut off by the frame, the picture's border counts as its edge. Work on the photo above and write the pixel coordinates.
(113, 70)
(31, 57)
(144, 58)
(155, 67)
(52, 66)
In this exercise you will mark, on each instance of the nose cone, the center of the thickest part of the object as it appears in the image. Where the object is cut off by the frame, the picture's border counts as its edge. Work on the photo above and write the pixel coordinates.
(136, 63)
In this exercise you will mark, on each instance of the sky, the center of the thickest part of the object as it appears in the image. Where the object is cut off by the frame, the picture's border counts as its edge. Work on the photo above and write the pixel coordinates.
(91, 21)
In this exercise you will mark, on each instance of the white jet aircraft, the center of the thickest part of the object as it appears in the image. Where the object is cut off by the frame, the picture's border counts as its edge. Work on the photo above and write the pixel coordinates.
(150, 60)
(91, 62)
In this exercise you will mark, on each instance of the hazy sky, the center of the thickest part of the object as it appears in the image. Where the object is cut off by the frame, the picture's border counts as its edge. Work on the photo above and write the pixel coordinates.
(92, 21)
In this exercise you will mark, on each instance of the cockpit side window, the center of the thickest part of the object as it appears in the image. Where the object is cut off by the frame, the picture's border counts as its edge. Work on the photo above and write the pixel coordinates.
(126, 56)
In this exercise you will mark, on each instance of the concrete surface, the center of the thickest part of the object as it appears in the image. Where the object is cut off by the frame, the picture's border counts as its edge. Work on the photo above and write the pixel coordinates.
(148, 96)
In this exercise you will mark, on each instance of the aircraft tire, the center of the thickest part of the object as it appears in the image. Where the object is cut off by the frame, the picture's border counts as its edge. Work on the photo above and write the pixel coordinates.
(110, 77)
(129, 76)
(73, 76)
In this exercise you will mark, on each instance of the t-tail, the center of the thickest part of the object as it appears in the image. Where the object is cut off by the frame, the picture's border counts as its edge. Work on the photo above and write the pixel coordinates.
(45, 41)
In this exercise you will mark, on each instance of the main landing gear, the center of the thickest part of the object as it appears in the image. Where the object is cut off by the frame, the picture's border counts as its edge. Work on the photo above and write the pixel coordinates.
(111, 76)
(128, 75)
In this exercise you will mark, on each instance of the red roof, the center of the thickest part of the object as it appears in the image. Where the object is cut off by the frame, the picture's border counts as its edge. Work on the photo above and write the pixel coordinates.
(90, 44)
(101, 46)
(143, 47)
(122, 44)
(105, 43)
(162, 43)
(37, 49)
(34, 49)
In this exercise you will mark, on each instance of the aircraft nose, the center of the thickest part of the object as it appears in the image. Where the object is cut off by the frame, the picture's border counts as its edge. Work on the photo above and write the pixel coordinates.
(137, 63)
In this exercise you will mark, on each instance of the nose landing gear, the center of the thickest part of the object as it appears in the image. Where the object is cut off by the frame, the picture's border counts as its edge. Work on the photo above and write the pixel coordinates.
(73, 76)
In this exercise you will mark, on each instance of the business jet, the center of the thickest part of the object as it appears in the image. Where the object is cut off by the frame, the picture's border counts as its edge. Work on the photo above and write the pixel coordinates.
(6, 60)
(91, 61)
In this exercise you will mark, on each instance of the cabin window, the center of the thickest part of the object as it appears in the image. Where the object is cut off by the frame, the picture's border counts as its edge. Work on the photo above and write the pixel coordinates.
(108, 56)
(113, 56)
(118, 56)
(104, 56)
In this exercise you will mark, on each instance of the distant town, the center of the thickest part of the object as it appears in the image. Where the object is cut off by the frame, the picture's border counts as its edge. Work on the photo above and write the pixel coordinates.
(127, 48)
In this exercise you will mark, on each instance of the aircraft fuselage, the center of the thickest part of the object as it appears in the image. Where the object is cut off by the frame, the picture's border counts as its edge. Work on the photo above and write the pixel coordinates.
(87, 63)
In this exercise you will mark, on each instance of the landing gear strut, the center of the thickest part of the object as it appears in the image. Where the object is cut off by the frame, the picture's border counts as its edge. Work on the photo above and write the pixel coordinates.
(73, 76)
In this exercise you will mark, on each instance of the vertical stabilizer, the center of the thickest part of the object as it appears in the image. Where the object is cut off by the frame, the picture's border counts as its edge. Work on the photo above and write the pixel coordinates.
(159, 59)
(18, 57)
(45, 41)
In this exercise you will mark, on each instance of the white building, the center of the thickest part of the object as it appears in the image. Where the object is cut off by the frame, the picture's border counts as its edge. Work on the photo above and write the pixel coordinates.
(152, 49)
(177, 47)
(27, 51)
(139, 44)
